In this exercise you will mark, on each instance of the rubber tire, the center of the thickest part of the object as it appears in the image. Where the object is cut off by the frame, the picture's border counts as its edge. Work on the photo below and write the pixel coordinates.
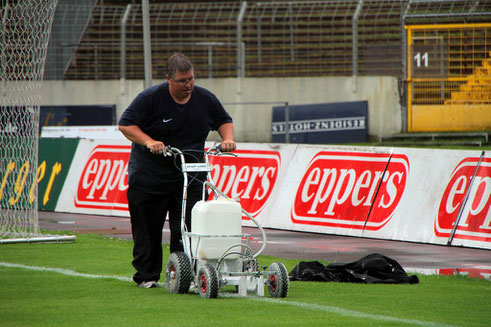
(279, 283)
(178, 273)
(208, 284)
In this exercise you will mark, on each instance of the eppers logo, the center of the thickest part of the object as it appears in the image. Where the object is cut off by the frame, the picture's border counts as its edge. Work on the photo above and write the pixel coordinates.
(104, 179)
(250, 177)
(340, 189)
(475, 219)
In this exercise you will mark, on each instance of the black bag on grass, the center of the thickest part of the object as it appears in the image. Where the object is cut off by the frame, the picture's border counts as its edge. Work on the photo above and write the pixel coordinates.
(373, 268)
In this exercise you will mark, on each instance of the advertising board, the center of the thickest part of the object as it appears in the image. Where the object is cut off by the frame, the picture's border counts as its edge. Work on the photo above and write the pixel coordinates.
(415, 195)
(325, 123)
(54, 161)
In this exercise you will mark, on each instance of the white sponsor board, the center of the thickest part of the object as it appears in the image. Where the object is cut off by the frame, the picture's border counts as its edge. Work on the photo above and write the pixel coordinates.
(84, 132)
(388, 193)
(97, 179)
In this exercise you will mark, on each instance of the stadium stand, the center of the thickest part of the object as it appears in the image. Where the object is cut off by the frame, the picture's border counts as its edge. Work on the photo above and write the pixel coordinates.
(477, 90)
(282, 38)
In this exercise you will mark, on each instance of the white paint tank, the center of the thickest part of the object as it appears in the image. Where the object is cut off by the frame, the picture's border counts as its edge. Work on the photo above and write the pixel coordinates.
(218, 217)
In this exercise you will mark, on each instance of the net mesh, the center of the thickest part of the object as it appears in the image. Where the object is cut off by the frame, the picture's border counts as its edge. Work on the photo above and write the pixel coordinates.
(24, 33)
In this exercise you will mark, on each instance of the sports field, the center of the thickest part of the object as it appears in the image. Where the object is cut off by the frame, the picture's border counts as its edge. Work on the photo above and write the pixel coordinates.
(87, 283)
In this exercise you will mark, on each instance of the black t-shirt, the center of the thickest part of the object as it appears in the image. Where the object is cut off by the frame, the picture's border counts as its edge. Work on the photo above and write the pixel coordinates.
(181, 126)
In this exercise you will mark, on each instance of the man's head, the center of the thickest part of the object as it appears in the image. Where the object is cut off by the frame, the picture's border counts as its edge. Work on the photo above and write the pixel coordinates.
(178, 62)
(180, 76)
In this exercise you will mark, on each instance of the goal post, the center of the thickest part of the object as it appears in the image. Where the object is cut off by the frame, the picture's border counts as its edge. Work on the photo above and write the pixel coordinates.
(24, 34)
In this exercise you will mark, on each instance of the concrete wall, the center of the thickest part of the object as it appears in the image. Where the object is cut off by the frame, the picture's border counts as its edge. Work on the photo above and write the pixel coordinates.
(240, 98)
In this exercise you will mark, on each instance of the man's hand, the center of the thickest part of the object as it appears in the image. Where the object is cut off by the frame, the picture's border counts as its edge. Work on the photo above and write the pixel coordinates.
(136, 135)
(228, 146)
(226, 132)
(156, 147)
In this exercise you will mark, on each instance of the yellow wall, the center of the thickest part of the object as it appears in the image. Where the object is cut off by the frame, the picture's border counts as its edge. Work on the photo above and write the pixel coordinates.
(426, 118)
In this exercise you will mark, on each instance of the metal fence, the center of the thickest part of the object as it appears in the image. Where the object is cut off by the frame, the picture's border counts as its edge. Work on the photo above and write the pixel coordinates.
(449, 76)
(443, 57)
(269, 39)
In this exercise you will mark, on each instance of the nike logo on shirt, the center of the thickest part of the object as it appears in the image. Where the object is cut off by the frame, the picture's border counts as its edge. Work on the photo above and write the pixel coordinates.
(166, 120)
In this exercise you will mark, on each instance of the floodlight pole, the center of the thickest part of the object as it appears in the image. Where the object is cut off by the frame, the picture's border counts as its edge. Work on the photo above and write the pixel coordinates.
(122, 59)
(240, 44)
(147, 49)
(124, 20)
(354, 51)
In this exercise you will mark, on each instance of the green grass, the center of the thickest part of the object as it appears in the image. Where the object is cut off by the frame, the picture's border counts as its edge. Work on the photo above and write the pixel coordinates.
(48, 298)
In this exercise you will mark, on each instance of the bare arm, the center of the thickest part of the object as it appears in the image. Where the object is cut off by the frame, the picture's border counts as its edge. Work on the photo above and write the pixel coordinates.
(136, 135)
(226, 132)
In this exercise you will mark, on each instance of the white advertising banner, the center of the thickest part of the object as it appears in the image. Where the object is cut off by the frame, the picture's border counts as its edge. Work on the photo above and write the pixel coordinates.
(400, 194)
(98, 179)
(415, 195)
(110, 132)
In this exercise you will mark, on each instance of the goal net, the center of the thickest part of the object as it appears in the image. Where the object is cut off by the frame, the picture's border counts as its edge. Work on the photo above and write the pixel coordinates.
(24, 33)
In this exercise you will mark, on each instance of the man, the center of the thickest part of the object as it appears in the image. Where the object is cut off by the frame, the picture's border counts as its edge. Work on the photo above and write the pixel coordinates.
(179, 114)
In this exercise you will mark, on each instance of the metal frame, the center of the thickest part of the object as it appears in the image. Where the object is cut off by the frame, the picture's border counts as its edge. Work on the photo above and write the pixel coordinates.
(230, 271)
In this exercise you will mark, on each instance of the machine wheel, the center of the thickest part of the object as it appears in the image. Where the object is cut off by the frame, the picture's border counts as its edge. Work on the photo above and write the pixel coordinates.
(178, 274)
(208, 281)
(278, 283)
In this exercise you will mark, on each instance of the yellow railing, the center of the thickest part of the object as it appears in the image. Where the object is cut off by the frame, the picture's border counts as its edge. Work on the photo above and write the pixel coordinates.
(449, 77)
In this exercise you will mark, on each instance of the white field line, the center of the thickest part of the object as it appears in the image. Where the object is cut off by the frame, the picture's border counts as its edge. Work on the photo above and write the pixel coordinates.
(63, 271)
(348, 313)
(308, 306)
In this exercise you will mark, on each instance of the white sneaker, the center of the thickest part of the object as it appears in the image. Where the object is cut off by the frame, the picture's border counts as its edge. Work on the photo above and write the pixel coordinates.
(149, 284)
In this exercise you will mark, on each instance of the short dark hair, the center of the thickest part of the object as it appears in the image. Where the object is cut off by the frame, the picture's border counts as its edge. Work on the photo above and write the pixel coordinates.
(178, 62)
